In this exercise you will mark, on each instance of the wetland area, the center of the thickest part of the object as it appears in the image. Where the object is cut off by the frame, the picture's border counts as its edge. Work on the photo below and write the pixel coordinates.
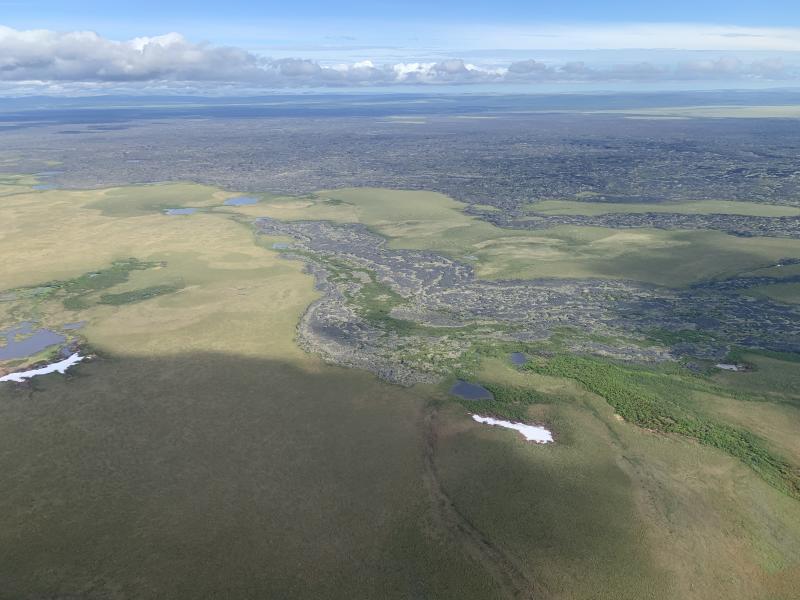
(559, 361)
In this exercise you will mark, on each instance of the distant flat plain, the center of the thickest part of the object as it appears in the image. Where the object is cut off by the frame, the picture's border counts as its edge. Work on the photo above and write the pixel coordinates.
(787, 111)
(698, 207)
(430, 221)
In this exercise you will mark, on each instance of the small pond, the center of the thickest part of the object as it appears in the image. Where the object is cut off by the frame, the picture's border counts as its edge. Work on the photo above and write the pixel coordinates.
(23, 341)
(470, 391)
(180, 211)
(241, 201)
(518, 358)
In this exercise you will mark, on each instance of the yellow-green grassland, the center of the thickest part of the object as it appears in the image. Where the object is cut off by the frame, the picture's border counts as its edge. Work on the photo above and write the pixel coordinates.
(200, 453)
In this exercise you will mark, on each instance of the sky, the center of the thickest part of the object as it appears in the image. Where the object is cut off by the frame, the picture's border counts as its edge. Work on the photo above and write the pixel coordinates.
(234, 47)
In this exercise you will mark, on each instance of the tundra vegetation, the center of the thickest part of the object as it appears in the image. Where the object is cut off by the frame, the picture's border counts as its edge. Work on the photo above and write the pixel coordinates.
(201, 452)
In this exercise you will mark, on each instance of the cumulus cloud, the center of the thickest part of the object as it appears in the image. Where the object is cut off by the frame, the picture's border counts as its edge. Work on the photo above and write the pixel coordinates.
(526, 67)
(86, 56)
(82, 58)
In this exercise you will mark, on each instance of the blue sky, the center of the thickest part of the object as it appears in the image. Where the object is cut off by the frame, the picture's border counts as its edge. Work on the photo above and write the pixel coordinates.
(116, 16)
(236, 44)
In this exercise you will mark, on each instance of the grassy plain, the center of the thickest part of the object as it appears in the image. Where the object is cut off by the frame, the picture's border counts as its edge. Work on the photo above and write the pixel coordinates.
(146, 199)
(775, 271)
(202, 454)
(788, 293)
(699, 207)
(666, 402)
(671, 258)
(691, 517)
(773, 377)
(16, 184)
(431, 221)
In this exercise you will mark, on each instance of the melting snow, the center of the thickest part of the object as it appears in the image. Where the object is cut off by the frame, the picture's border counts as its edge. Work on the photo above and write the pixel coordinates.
(727, 367)
(532, 433)
(57, 367)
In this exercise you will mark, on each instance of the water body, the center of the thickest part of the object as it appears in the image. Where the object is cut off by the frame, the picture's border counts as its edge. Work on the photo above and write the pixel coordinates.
(30, 343)
(518, 358)
(470, 391)
(180, 211)
(532, 433)
(73, 326)
(56, 367)
(280, 246)
(241, 201)
(44, 186)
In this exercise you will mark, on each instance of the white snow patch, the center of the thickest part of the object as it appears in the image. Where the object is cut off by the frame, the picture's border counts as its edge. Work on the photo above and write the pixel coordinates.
(727, 367)
(57, 367)
(532, 433)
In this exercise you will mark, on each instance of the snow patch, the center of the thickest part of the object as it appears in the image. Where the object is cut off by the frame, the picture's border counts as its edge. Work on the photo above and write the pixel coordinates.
(532, 433)
(57, 367)
(727, 367)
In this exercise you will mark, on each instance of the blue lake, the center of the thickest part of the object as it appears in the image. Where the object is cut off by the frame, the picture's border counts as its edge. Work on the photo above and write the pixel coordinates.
(518, 358)
(241, 201)
(470, 391)
(23, 341)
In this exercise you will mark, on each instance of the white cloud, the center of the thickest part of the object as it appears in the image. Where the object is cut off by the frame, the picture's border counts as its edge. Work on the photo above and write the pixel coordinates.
(43, 59)
(85, 56)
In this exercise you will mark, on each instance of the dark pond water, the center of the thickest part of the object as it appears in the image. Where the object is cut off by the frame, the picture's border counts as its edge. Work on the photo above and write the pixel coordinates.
(470, 391)
(241, 201)
(180, 211)
(518, 358)
(31, 341)
(706, 322)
